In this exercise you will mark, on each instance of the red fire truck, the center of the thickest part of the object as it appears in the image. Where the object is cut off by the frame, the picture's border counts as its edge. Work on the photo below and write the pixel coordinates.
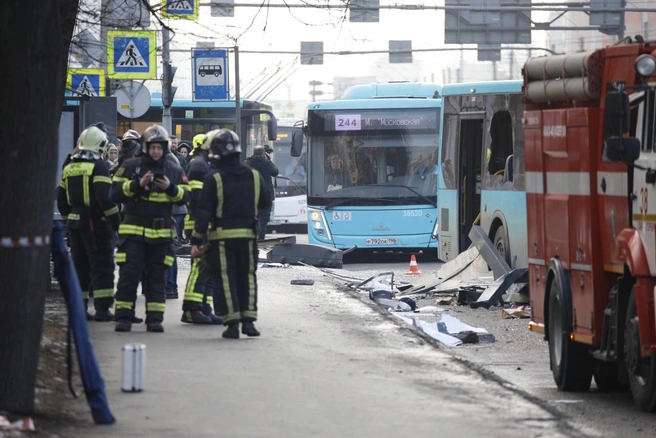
(590, 136)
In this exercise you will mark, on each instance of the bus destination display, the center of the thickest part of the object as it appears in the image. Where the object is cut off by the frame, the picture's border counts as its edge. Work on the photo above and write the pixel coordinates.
(382, 120)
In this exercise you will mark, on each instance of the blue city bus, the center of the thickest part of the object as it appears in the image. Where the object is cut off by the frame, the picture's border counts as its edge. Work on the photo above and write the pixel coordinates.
(372, 167)
(482, 174)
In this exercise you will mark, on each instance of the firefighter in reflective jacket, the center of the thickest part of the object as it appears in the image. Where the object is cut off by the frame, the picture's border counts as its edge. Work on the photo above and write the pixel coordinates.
(147, 186)
(83, 199)
(231, 196)
(197, 303)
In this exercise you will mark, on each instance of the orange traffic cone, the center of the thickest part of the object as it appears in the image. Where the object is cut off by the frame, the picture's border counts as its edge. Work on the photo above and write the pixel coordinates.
(414, 269)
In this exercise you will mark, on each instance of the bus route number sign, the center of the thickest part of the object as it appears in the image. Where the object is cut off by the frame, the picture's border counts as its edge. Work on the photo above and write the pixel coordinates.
(347, 122)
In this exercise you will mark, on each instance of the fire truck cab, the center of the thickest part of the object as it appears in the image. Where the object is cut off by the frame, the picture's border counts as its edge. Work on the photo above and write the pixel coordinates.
(590, 136)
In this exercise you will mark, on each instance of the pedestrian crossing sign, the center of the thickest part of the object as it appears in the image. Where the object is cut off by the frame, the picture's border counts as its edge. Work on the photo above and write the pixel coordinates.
(186, 9)
(85, 82)
(131, 54)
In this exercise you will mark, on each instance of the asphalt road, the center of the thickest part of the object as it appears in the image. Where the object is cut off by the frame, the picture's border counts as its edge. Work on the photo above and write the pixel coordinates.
(327, 364)
(521, 359)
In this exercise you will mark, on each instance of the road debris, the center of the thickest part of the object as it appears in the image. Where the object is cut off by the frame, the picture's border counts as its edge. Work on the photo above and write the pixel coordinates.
(302, 282)
(23, 424)
(450, 331)
(515, 313)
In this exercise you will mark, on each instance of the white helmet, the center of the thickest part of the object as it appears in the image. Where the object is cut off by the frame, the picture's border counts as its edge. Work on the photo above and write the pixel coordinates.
(92, 139)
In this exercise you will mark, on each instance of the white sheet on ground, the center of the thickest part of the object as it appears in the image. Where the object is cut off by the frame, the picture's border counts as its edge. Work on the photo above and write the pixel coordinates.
(431, 330)
(454, 325)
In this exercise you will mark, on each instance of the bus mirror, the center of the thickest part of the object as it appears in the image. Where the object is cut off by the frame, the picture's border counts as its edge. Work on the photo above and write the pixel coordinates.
(626, 149)
(616, 114)
(297, 141)
(272, 128)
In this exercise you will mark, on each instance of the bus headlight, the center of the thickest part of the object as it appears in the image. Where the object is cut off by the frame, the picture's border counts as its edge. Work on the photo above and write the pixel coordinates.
(320, 225)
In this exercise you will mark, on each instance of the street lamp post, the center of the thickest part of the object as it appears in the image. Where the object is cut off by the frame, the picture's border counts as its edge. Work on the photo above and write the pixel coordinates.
(314, 92)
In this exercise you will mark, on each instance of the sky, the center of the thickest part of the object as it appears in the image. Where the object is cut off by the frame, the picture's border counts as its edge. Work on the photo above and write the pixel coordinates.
(278, 29)
(267, 76)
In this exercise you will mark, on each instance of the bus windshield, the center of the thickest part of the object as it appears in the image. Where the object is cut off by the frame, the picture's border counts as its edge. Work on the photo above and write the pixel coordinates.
(392, 153)
(293, 170)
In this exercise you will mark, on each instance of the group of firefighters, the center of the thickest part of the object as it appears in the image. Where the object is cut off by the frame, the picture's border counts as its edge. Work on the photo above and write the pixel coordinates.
(223, 196)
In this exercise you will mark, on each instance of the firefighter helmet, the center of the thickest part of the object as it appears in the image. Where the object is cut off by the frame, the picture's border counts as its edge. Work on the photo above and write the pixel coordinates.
(223, 142)
(155, 134)
(92, 139)
(199, 141)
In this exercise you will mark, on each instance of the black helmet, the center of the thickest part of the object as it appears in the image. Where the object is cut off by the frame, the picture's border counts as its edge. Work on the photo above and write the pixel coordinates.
(223, 142)
(155, 134)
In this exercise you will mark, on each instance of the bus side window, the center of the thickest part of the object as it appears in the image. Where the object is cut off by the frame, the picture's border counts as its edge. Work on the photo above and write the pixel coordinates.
(501, 146)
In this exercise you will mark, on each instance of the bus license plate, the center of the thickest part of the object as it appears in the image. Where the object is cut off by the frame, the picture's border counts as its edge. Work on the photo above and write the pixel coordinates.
(388, 241)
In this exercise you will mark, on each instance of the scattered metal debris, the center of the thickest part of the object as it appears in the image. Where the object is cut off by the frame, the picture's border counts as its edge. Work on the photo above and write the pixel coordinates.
(301, 253)
(302, 282)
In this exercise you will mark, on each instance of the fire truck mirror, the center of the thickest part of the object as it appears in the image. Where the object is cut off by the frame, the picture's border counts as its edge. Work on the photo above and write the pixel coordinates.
(625, 149)
(617, 114)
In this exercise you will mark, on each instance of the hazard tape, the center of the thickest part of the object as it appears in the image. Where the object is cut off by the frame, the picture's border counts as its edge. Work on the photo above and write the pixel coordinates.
(16, 242)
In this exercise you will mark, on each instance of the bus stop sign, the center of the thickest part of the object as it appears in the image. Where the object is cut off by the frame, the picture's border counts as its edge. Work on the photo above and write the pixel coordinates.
(209, 68)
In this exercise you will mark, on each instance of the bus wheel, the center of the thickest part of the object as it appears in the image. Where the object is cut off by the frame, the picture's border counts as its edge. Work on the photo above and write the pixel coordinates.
(642, 370)
(501, 243)
(571, 363)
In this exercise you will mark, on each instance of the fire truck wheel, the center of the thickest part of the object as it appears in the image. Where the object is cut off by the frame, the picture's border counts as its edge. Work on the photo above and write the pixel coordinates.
(501, 243)
(642, 370)
(606, 378)
(571, 362)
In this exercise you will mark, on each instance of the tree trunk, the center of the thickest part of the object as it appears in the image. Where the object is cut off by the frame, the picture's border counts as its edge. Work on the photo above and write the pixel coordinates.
(34, 47)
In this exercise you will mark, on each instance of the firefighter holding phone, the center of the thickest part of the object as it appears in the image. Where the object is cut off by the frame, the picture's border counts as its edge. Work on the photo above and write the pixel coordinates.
(147, 186)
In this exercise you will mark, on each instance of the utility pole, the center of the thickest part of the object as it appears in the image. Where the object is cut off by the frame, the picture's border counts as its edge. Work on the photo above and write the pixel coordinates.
(620, 32)
(511, 67)
(237, 97)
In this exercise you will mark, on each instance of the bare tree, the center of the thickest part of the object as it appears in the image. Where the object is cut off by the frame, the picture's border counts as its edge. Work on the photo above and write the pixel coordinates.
(34, 53)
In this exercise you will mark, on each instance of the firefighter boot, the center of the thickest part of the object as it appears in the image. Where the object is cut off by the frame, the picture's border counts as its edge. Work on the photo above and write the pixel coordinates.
(155, 327)
(86, 305)
(195, 317)
(214, 318)
(232, 332)
(248, 328)
(104, 315)
(123, 325)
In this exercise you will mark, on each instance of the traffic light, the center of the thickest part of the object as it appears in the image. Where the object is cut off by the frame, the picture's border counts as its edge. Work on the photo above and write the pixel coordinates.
(168, 90)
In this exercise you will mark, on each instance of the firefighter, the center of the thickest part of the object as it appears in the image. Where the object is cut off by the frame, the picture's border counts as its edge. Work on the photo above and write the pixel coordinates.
(231, 196)
(147, 186)
(84, 200)
(197, 303)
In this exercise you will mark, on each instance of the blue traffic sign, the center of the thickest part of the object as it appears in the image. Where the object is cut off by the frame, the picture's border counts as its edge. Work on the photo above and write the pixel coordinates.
(180, 9)
(131, 55)
(210, 73)
(86, 82)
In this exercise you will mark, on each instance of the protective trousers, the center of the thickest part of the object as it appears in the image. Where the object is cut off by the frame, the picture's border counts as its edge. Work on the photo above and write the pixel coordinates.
(199, 291)
(232, 263)
(93, 256)
(263, 217)
(135, 257)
